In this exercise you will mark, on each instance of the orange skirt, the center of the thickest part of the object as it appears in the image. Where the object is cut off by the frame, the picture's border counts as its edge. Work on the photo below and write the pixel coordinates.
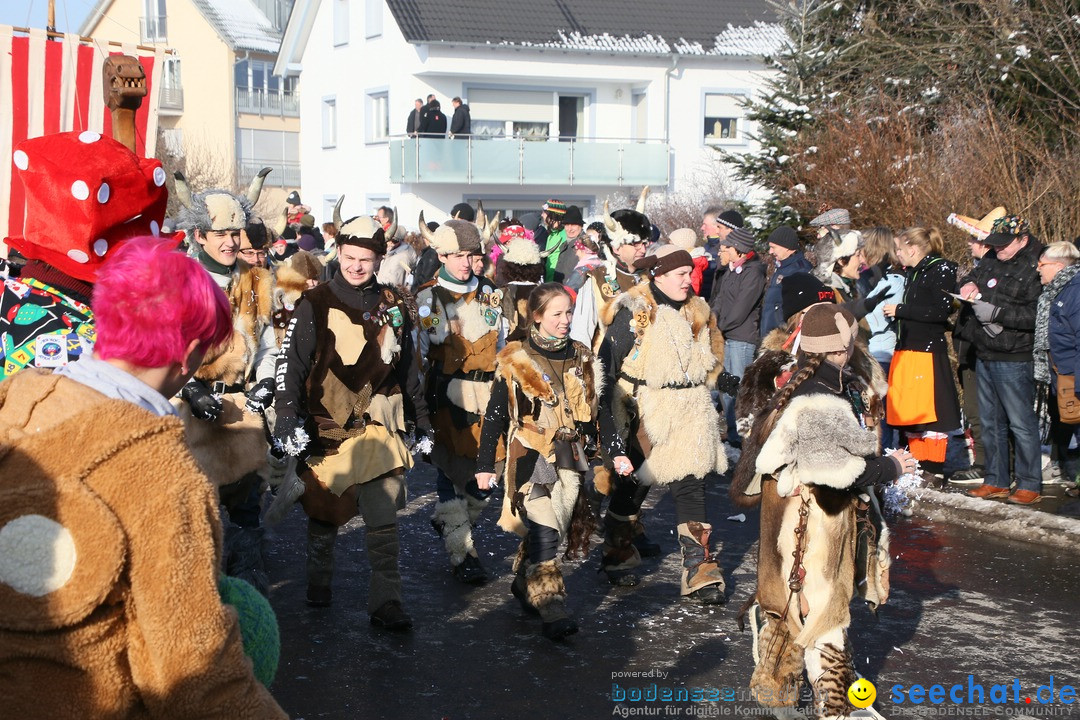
(911, 389)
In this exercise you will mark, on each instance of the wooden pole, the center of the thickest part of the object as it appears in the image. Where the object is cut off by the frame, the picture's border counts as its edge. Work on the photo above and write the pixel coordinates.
(112, 43)
(51, 26)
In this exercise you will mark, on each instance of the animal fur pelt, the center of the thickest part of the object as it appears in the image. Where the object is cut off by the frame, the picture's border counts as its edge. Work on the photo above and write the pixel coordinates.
(229, 448)
(816, 441)
(251, 296)
(292, 277)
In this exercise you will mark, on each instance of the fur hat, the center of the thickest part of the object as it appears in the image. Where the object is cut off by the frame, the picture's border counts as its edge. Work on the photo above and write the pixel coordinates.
(362, 231)
(800, 290)
(453, 236)
(291, 276)
(254, 236)
(831, 248)
(827, 328)
(741, 239)
(85, 194)
(216, 209)
(831, 216)
(978, 229)
(463, 211)
(784, 236)
(731, 219)
(684, 238)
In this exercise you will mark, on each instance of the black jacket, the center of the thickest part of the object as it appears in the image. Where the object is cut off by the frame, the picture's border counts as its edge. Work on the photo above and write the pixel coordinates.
(433, 123)
(1012, 286)
(923, 313)
(412, 125)
(737, 301)
(462, 122)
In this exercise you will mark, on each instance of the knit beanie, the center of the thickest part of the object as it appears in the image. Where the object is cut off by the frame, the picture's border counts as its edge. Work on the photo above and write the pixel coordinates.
(666, 259)
(731, 219)
(785, 237)
(740, 239)
(827, 328)
(684, 238)
(258, 626)
(800, 290)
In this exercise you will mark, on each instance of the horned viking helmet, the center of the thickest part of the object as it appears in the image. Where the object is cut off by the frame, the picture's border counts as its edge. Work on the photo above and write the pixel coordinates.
(216, 209)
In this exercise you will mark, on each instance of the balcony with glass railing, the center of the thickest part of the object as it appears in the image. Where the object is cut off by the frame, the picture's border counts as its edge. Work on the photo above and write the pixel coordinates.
(523, 161)
(283, 174)
(152, 28)
(256, 101)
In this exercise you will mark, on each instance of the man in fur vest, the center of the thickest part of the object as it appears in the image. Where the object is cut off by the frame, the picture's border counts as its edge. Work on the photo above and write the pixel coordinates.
(461, 330)
(346, 386)
(662, 356)
(231, 389)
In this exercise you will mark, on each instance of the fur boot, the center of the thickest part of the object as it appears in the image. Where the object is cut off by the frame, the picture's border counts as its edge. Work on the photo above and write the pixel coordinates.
(451, 519)
(831, 671)
(701, 576)
(320, 561)
(777, 675)
(382, 553)
(620, 556)
(476, 507)
(546, 592)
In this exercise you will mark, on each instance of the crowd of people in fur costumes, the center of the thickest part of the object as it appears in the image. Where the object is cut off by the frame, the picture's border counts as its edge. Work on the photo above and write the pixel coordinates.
(564, 368)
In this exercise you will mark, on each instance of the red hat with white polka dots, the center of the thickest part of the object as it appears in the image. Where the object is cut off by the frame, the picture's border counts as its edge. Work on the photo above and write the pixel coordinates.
(85, 195)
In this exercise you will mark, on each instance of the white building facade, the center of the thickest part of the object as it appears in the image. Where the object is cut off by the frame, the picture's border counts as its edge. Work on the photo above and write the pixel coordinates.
(566, 114)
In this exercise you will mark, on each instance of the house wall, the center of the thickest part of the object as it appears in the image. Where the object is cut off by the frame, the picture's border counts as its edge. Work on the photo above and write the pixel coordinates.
(346, 71)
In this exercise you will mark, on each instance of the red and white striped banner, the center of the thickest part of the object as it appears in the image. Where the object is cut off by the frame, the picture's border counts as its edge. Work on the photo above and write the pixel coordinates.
(49, 86)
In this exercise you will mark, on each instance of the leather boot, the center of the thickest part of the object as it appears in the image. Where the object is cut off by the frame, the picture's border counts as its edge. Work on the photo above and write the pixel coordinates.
(645, 546)
(620, 556)
(702, 580)
(320, 561)
(546, 592)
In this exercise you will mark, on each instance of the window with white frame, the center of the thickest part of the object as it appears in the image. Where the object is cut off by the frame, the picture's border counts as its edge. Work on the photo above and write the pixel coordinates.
(723, 118)
(378, 116)
(153, 22)
(341, 22)
(329, 122)
(373, 12)
(517, 113)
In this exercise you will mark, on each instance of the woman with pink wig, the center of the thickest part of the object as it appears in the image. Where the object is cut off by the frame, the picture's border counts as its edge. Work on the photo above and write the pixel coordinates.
(112, 526)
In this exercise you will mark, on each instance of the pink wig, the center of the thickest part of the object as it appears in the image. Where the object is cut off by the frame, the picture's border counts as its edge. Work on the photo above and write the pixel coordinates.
(150, 302)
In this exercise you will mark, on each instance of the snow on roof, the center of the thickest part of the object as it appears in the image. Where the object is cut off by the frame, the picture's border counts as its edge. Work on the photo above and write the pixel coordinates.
(242, 25)
(758, 39)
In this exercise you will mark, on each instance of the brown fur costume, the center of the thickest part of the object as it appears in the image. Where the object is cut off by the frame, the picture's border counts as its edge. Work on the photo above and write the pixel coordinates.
(252, 299)
(136, 629)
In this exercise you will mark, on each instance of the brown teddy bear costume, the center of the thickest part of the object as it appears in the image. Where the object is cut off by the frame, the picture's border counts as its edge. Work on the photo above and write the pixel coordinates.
(811, 463)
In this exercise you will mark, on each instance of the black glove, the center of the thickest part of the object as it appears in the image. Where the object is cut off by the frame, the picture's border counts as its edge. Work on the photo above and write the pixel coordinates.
(290, 438)
(873, 301)
(261, 396)
(204, 404)
(727, 383)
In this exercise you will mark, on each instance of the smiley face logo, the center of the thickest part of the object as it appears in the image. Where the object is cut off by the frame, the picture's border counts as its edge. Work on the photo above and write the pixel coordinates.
(862, 693)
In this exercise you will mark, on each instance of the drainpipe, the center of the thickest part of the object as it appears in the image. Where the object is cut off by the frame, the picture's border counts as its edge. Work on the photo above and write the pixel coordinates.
(667, 97)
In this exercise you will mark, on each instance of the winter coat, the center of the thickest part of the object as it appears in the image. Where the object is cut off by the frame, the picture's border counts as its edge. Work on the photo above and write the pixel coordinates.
(737, 300)
(882, 342)
(136, 628)
(772, 312)
(433, 124)
(461, 124)
(1064, 329)
(1012, 286)
(701, 268)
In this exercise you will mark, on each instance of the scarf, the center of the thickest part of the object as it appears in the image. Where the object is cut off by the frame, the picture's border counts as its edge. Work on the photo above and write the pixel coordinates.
(1042, 321)
(548, 344)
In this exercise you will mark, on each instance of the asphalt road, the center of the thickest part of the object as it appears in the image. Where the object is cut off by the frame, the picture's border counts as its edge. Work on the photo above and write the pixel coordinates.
(963, 603)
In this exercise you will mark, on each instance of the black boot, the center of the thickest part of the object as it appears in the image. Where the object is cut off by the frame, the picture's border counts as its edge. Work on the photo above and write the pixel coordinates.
(391, 616)
(320, 562)
(470, 571)
(620, 557)
(645, 546)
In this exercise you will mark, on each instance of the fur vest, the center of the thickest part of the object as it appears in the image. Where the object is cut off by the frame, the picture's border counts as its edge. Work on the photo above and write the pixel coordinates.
(251, 294)
(665, 381)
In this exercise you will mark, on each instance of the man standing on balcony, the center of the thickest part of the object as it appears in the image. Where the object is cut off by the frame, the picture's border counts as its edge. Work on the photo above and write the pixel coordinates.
(461, 125)
(461, 330)
(433, 123)
(412, 125)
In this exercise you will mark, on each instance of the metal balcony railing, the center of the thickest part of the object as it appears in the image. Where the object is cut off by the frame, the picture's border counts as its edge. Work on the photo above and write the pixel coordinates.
(284, 173)
(256, 101)
(171, 98)
(521, 161)
(152, 28)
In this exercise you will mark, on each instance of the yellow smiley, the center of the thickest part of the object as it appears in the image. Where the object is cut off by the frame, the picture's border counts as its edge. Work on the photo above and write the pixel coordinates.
(862, 693)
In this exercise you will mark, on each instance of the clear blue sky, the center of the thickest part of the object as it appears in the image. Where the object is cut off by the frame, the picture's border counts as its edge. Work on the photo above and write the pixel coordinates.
(69, 13)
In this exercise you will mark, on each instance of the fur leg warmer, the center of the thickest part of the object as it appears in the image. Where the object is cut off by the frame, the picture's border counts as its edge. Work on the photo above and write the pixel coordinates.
(619, 551)
(382, 553)
(699, 564)
(831, 671)
(777, 675)
(546, 591)
(452, 519)
(320, 553)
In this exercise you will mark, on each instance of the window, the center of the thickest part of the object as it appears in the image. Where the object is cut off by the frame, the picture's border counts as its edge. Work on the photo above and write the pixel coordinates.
(341, 22)
(723, 118)
(260, 92)
(279, 150)
(639, 120)
(172, 92)
(153, 21)
(378, 116)
(173, 139)
(516, 113)
(373, 12)
(329, 122)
